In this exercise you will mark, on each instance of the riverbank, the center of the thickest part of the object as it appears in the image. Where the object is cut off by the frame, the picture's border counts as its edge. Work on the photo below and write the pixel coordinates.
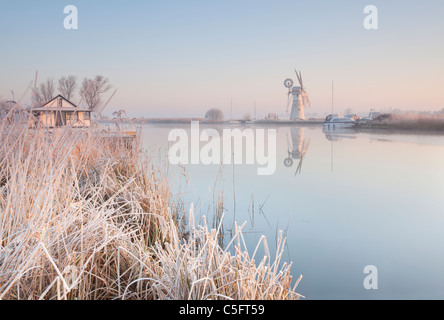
(406, 122)
(86, 217)
(225, 122)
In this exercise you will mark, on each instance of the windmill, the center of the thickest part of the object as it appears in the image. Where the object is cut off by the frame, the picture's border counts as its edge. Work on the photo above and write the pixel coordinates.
(299, 96)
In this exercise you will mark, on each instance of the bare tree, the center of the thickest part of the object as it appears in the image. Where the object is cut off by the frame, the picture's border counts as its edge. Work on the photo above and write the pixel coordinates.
(38, 99)
(67, 85)
(48, 89)
(93, 89)
(214, 114)
(45, 92)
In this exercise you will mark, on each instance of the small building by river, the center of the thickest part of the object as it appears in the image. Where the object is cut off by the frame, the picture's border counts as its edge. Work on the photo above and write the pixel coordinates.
(61, 112)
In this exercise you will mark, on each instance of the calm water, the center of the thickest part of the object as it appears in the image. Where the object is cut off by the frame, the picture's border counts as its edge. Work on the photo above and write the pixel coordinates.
(344, 201)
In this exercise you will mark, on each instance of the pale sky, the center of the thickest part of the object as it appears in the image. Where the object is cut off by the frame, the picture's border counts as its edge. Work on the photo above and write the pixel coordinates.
(179, 58)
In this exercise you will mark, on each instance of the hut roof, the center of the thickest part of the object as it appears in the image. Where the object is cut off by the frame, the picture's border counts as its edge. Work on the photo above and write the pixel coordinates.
(60, 103)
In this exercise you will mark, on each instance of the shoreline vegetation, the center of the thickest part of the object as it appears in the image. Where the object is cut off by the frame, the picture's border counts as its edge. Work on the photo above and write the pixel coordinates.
(407, 122)
(401, 122)
(87, 216)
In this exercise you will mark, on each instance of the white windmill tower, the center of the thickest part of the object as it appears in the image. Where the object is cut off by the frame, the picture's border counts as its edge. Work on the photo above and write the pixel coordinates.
(300, 98)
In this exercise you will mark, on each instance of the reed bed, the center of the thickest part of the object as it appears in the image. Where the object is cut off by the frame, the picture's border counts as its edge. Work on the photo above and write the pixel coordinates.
(84, 216)
(411, 122)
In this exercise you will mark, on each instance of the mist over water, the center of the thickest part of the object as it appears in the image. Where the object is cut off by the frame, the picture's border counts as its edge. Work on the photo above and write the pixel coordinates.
(344, 200)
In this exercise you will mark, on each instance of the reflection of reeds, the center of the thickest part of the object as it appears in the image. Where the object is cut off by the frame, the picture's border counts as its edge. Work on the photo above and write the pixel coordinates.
(84, 216)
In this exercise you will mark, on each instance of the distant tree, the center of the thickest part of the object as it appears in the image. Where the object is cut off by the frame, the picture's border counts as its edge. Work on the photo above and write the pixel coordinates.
(246, 117)
(383, 117)
(44, 92)
(38, 99)
(214, 114)
(67, 85)
(93, 89)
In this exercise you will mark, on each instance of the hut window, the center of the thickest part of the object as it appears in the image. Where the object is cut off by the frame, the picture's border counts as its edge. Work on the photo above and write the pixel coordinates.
(87, 115)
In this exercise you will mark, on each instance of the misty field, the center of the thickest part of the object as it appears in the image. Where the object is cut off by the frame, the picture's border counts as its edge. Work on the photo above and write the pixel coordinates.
(86, 216)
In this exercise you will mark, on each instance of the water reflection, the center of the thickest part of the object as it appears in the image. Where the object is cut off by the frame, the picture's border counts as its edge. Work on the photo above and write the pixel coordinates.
(336, 135)
(296, 148)
(382, 206)
(339, 133)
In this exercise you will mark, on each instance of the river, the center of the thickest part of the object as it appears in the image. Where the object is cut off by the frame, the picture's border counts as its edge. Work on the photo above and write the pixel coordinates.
(344, 201)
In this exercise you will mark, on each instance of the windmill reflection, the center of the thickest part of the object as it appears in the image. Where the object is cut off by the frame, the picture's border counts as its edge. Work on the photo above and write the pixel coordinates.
(297, 148)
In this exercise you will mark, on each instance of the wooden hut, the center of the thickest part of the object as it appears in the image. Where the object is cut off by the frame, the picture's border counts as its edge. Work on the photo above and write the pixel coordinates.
(61, 112)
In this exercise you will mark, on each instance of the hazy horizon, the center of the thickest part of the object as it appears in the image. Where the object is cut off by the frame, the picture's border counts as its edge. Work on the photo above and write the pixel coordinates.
(178, 59)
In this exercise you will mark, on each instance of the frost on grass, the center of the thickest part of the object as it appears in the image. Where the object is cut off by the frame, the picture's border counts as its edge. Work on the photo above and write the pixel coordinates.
(84, 217)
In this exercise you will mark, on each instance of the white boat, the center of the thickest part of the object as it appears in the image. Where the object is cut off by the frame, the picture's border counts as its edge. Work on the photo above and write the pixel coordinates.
(333, 121)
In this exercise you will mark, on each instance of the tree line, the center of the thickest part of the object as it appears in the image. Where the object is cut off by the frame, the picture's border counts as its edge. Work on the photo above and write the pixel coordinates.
(91, 89)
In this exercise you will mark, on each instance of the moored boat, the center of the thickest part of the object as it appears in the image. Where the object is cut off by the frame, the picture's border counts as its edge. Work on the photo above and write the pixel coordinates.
(333, 121)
